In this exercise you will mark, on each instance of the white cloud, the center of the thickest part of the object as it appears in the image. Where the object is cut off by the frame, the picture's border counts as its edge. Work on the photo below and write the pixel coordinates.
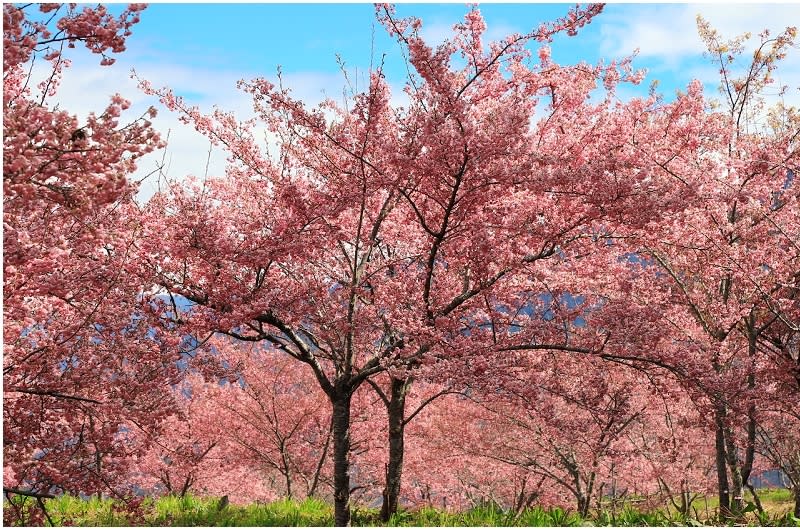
(659, 31)
(87, 87)
(667, 39)
(669, 32)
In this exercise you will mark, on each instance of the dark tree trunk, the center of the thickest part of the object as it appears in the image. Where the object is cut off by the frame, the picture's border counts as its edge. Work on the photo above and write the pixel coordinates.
(286, 469)
(584, 503)
(721, 458)
(589, 491)
(752, 424)
(797, 501)
(341, 400)
(394, 469)
(186, 485)
(739, 472)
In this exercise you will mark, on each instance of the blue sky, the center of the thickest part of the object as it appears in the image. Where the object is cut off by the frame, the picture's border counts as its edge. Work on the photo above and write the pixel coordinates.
(255, 38)
(307, 36)
(201, 50)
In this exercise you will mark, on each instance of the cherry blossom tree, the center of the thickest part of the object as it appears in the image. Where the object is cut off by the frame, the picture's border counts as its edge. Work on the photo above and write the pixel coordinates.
(182, 453)
(712, 284)
(272, 418)
(779, 443)
(550, 293)
(80, 366)
(377, 237)
(564, 418)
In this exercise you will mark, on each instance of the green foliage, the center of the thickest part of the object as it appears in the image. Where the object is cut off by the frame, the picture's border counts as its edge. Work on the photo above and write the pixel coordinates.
(535, 517)
(193, 511)
(67, 510)
(487, 514)
(787, 520)
(560, 517)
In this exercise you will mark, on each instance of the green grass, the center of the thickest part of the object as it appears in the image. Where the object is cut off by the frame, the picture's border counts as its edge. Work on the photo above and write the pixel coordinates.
(194, 511)
(77, 512)
(485, 515)
(778, 503)
(191, 511)
(775, 496)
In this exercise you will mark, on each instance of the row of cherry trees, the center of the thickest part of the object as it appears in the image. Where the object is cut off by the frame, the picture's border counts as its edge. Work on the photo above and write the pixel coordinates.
(517, 287)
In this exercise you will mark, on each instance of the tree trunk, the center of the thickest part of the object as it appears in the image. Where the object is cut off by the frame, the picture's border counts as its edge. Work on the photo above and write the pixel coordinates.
(341, 400)
(752, 424)
(286, 470)
(686, 499)
(394, 470)
(186, 485)
(721, 460)
(584, 505)
(737, 484)
(797, 501)
(740, 471)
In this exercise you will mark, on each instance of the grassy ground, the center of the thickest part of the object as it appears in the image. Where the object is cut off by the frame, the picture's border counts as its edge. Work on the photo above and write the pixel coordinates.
(192, 511)
(775, 501)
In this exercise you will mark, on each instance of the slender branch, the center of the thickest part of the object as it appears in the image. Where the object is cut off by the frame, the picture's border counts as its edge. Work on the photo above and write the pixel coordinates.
(28, 493)
(53, 394)
(428, 402)
(379, 391)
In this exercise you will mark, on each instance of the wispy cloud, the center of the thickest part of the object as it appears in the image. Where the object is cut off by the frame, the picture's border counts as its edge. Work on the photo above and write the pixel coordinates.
(669, 32)
(86, 88)
(667, 39)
